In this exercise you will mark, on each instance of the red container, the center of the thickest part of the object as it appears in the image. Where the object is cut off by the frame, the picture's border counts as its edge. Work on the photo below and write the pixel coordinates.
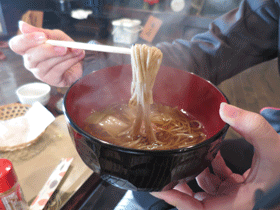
(11, 196)
(145, 170)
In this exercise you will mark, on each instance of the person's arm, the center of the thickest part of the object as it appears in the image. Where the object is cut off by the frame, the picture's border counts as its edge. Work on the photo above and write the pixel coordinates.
(235, 41)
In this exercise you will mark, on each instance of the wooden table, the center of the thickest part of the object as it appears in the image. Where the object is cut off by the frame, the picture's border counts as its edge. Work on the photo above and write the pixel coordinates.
(34, 164)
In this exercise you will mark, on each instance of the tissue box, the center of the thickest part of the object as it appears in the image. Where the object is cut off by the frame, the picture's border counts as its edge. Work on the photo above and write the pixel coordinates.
(126, 31)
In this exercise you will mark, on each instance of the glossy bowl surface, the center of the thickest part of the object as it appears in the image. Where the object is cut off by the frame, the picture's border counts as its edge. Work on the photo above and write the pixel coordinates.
(145, 170)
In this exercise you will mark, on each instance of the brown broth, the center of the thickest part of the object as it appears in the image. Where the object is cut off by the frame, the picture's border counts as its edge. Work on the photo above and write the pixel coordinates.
(173, 128)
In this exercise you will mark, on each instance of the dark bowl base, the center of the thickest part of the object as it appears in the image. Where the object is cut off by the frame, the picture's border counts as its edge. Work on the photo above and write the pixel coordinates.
(143, 171)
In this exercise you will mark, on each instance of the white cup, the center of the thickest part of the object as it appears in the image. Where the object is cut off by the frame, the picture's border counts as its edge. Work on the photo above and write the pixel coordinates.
(32, 92)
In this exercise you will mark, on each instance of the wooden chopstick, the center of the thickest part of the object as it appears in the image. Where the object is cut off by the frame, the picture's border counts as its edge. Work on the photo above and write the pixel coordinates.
(92, 47)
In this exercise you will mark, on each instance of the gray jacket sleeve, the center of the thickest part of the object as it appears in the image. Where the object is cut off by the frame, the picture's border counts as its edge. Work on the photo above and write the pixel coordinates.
(234, 42)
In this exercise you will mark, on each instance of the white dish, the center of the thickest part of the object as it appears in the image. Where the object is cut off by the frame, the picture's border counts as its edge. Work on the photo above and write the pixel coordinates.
(32, 92)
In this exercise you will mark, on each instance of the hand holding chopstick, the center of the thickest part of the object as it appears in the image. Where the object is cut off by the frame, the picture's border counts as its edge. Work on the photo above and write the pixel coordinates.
(92, 47)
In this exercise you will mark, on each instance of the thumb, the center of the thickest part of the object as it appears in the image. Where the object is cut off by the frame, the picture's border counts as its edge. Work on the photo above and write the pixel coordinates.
(253, 127)
(26, 28)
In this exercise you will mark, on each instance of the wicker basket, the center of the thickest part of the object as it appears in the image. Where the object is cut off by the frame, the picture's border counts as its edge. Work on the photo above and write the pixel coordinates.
(12, 111)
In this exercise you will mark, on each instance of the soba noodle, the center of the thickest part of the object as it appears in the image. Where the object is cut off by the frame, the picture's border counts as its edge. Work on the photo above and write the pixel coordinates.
(145, 65)
(141, 124)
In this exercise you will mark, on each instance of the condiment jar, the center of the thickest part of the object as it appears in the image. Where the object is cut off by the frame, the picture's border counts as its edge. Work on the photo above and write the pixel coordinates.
(11, 196)
(126, 30)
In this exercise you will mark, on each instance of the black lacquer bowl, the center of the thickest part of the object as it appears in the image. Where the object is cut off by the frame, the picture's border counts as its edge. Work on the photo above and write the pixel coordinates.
(145, 170)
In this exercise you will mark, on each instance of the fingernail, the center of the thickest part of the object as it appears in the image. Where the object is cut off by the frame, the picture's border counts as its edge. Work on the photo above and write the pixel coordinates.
(40, 37)
(228, 111)
(20, 23)
(60, 50)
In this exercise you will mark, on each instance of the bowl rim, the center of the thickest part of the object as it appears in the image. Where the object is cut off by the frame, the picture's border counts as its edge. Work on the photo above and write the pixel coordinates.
(208, 141)
(46, 90)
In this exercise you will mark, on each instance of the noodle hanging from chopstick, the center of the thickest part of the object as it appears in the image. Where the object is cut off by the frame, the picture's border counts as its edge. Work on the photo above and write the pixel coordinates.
(145, 62)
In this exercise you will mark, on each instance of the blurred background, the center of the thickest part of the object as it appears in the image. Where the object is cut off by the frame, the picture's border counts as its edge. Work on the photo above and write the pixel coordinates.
(190, 16)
